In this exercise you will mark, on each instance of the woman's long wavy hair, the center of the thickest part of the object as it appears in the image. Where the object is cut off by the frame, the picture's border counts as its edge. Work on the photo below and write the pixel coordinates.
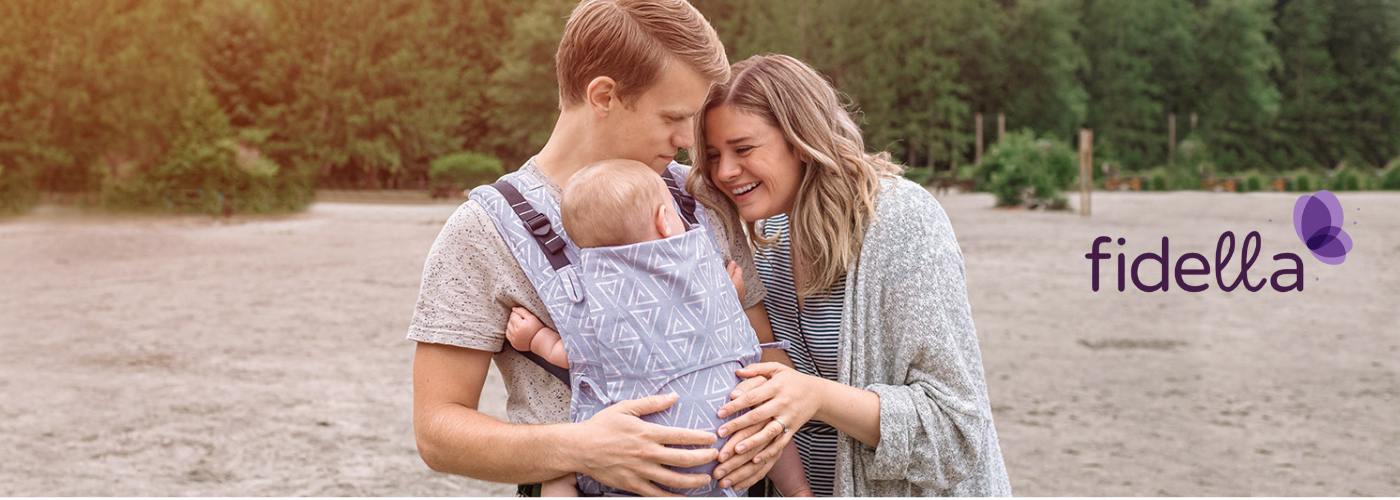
(836, 196)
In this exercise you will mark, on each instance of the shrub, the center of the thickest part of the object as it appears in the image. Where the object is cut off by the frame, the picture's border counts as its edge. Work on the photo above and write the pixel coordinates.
(206, 178)
(968, 174)
(920, 175)
(1159, 182)
(1303, 183)
(1022, 168)
(1304, 180)
(1191, 164)
(965, 172)
(1183, 177)
(1390, 177)
(464, 170)
(1192, 151)
(1253, 182)
(1370, 182)
(1155, 179)
(1347, 178)
(17, 190)
(205, 170)
(260, 185)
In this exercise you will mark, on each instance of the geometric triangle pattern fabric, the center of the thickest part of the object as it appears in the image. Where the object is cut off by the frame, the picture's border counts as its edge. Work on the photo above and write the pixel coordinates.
(656, 317)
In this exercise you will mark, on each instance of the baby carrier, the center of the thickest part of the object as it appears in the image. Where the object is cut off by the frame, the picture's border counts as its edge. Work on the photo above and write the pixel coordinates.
(636, 320)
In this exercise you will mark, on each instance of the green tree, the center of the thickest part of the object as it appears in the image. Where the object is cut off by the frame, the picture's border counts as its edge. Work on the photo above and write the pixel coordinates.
(371, 94)
(471, 36)
(1176, 56)
(234, 48)
(1239, 98)
(1364, 34)
(1122, 110)
(912, 99)
(909, 100)
(523, 92)
(1142, 66)
(1044, 64)
(94, 84)
(1308, 85)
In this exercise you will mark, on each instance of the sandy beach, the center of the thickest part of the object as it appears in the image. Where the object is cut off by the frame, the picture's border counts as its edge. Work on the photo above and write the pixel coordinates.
(162, 355)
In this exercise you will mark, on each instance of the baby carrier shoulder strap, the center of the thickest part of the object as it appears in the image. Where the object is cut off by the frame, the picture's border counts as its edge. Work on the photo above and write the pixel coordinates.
(685, 201)
(550, 243)
(537, 223)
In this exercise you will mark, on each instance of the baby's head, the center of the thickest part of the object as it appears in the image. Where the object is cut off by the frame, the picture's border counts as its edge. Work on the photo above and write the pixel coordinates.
(618, 202)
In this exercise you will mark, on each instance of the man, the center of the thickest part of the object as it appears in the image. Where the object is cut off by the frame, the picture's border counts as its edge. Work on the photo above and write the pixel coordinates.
(633, 75)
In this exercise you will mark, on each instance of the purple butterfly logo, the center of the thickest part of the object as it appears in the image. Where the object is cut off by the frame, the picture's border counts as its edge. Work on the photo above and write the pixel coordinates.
(1318, 219)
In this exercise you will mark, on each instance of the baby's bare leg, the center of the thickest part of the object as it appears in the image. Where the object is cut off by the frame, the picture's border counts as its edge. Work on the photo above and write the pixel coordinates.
(788, 476)
(562, 486)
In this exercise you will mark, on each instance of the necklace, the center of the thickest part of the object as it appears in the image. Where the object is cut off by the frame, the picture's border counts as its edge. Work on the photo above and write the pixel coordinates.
(801, 327)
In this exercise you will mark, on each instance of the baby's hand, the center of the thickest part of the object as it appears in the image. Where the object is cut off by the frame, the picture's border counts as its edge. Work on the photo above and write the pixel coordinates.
(521, 328)
(736, 274)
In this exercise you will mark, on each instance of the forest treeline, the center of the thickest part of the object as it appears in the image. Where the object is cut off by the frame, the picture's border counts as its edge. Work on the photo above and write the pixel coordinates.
(162, 103)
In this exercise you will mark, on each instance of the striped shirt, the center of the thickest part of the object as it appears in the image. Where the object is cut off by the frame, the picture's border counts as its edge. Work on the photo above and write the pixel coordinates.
(813, 332)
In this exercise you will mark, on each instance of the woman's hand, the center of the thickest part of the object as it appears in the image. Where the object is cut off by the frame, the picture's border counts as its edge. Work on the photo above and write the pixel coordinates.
(738, 470)
(780, 406)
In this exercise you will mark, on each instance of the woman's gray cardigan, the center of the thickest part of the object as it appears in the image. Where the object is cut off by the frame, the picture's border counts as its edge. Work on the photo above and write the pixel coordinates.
(907, 335)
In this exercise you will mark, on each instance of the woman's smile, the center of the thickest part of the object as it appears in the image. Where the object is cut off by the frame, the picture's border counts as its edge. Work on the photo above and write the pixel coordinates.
(744, 192)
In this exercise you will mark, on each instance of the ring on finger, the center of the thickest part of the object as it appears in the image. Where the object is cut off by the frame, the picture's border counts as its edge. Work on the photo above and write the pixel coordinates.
(780, 422)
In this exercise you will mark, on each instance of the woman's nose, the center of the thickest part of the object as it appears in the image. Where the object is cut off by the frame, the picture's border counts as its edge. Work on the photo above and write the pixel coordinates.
(726, 168)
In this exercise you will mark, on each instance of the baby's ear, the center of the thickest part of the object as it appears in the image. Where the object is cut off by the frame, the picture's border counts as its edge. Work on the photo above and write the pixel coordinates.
(663, 221)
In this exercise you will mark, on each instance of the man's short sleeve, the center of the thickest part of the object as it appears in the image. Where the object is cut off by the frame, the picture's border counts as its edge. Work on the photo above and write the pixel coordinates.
(460, 301)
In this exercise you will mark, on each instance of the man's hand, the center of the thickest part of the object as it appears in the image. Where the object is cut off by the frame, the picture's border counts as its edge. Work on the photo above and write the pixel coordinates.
(622, 451)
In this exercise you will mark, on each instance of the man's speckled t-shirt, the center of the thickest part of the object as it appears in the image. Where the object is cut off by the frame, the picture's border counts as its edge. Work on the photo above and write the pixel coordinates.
(470, 282)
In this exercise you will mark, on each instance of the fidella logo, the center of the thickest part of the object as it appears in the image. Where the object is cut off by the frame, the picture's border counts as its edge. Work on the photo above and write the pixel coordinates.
(1317, 218)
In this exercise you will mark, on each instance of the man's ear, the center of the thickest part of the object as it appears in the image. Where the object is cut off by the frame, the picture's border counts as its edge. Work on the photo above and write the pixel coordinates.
(601, 95)
(663, 221)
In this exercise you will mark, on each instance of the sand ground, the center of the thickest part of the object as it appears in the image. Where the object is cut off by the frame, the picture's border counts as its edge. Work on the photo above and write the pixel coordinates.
(265, 356)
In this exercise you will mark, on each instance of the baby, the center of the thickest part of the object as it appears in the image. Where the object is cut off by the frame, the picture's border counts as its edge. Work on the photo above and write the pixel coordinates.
(613, 204)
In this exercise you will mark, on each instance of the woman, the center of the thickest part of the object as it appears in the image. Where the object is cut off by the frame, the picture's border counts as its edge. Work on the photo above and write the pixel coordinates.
(864, 279)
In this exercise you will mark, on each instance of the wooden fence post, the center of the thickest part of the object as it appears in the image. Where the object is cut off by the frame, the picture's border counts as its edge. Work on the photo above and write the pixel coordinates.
(1171, 136)
(977, 158)
(1086, 169)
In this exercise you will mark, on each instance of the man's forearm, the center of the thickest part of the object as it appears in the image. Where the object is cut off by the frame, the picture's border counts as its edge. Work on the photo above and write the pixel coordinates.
(459, 440)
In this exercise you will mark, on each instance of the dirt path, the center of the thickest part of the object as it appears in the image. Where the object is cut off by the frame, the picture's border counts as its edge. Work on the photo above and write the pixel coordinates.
(265, 356)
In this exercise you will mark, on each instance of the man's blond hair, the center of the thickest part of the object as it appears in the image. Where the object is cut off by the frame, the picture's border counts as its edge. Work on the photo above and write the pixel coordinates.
(612, 203)
(631, 42)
